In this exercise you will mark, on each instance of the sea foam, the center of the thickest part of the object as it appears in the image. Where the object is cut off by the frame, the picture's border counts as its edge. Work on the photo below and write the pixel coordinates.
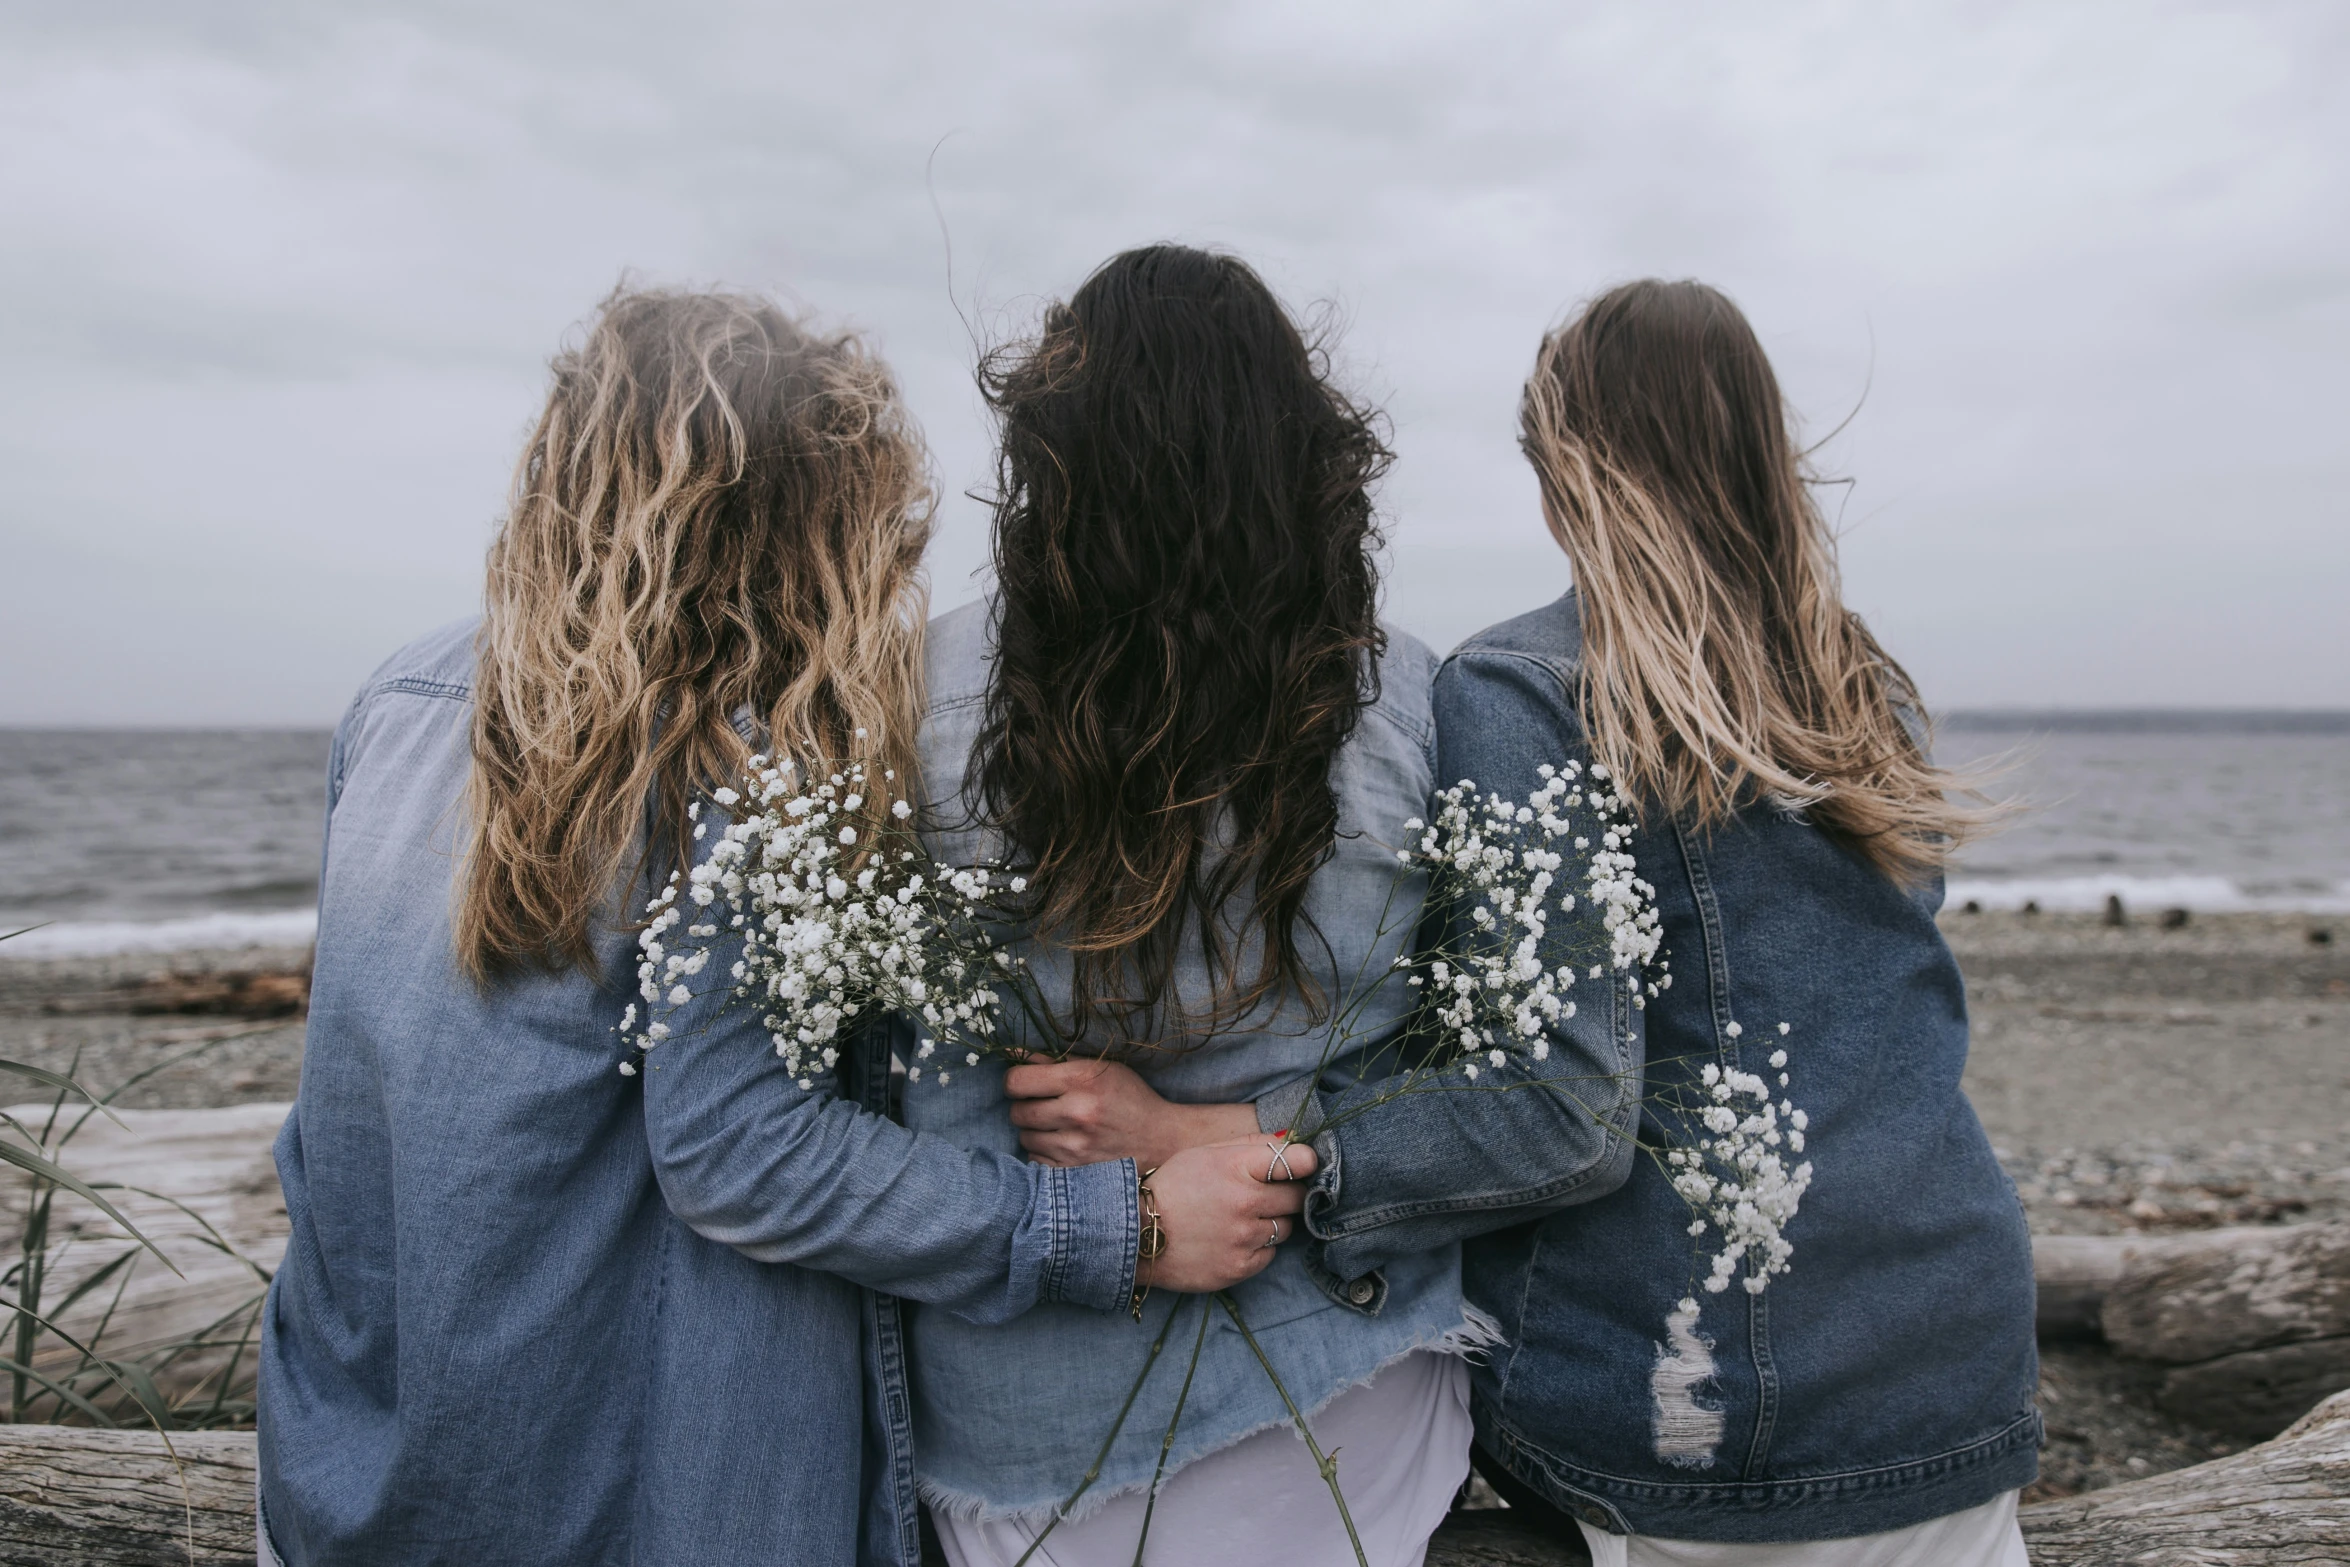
(2086, 894)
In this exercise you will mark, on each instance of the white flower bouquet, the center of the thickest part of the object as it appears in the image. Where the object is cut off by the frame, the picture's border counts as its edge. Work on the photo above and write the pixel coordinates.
(842, 915)
(1500, 870)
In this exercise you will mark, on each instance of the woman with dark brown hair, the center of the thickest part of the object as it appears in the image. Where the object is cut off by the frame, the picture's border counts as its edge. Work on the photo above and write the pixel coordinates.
(1874, 1407)
(1180, 717)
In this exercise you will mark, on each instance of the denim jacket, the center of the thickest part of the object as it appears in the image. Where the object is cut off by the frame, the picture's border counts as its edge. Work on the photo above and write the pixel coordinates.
(534, 1311)
(1010, 1416)
(1889, 1378)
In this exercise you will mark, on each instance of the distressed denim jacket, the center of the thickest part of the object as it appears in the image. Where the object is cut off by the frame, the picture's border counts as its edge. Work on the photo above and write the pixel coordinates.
(1009, 1416)
(536, 1312)
(1889, 1378)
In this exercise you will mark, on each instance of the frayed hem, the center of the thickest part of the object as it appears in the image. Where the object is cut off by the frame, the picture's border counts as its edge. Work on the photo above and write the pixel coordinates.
(1476, 1334)
(1468, 1339)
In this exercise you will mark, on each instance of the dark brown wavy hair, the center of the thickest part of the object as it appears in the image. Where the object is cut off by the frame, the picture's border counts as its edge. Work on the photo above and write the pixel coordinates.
(1189, 630)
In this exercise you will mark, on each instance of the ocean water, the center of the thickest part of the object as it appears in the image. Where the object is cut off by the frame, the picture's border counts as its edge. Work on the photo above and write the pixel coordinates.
(128, 840)
(165, 840)
(2211, 811)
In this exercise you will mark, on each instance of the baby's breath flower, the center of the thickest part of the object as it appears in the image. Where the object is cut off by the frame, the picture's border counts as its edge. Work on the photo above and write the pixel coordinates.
(825, 940)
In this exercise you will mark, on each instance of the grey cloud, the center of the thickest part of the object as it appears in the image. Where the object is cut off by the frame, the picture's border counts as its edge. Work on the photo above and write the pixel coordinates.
(2075, 253)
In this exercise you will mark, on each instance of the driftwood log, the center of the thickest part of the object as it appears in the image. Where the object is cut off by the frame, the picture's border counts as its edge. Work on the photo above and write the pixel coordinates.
(2254, 1322)
(2257, 1331)
(2075, 1273)
(186, 1178)
(77, 1498)
(1494, 1539)
(2285, 1503)
(252, 993)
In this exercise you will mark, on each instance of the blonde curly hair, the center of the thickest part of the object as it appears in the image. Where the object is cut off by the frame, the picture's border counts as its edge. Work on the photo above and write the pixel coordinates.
(721, 514)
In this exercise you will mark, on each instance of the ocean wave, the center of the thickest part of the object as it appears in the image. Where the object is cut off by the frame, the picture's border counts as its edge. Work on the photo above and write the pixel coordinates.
(2086, 894)
(291, 928)
(2055, 894)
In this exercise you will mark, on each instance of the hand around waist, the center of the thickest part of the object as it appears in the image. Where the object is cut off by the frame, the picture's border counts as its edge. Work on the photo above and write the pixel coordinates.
(1223, 1210)
(1084, 1111)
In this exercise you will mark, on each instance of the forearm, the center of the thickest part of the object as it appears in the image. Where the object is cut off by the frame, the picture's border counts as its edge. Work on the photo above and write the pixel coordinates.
(1453, 1155)
(1428, 1158)
(747, 1158)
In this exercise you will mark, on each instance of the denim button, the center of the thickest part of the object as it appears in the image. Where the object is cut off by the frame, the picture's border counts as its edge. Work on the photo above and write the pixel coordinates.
(1361, 1291)
(1594, 1516)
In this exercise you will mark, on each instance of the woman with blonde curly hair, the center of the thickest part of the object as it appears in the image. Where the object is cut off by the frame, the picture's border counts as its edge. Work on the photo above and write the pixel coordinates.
(539, 1310)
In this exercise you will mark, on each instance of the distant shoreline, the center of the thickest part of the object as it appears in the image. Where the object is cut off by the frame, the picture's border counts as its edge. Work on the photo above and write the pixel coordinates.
(1971, 720)
(2147, 720)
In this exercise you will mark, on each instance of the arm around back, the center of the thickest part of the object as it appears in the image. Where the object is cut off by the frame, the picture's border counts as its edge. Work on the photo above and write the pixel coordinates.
(748, 1158)
(1453, 1156)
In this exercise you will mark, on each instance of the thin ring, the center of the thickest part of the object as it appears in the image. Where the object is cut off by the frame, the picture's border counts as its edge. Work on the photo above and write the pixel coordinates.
(1279, 1162)
(1273, 1240)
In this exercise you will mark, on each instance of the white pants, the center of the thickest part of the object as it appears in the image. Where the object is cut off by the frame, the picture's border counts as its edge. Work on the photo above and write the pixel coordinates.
(1984, 1536)
(1403, 1445)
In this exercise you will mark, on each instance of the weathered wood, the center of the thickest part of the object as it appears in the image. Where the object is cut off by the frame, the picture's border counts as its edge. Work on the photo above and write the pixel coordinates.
(2074, 1273)
(2284, 1503)
(2257, 1322)
(251, 993)
(217, 1164)
(2259, 1392)
(1498, 1539)
(79, 1498)
(2071, 1275)
(2264, 1287)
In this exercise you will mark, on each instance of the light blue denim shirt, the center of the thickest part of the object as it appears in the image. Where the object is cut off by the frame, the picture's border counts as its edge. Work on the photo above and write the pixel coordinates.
(1009, 1416)
(533, 1311)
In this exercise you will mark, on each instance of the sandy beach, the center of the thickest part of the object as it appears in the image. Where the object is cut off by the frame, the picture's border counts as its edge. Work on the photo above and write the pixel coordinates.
(2133, 1079)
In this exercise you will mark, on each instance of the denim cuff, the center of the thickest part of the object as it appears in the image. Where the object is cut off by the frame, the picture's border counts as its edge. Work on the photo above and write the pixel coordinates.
(1097, 1229)
(1292, 1105)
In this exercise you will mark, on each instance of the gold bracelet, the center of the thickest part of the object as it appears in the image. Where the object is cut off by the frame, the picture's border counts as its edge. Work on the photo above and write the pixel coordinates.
(1153, 1243)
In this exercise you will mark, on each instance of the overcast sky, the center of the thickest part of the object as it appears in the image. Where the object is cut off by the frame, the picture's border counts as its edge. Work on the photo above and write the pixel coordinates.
(279, 285)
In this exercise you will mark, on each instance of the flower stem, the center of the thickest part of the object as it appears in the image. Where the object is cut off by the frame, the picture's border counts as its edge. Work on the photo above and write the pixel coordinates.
(1327, 1466)
(1103, 1457)
(1167, 1442)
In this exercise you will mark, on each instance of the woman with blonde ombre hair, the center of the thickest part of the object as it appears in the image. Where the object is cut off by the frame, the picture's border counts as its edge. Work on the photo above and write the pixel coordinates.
(1874, 1407)
(541, 1307)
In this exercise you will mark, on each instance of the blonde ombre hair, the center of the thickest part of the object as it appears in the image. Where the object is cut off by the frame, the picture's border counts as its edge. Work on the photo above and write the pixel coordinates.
(721, 512)
(1720, 666)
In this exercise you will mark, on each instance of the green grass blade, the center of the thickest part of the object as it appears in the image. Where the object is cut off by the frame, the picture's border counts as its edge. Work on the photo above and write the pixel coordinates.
(65, 1396)
(41, 1074)
(97, 1280)
(56, 1174)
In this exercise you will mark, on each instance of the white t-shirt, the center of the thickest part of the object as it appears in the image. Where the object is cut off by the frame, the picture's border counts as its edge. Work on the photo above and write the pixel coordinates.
(1985, 1536)
(1402, 1441)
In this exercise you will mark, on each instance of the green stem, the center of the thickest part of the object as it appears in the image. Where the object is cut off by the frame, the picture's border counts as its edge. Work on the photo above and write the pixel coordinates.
(1327, 1466)
(1167, 1442)
(1108, 1442)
